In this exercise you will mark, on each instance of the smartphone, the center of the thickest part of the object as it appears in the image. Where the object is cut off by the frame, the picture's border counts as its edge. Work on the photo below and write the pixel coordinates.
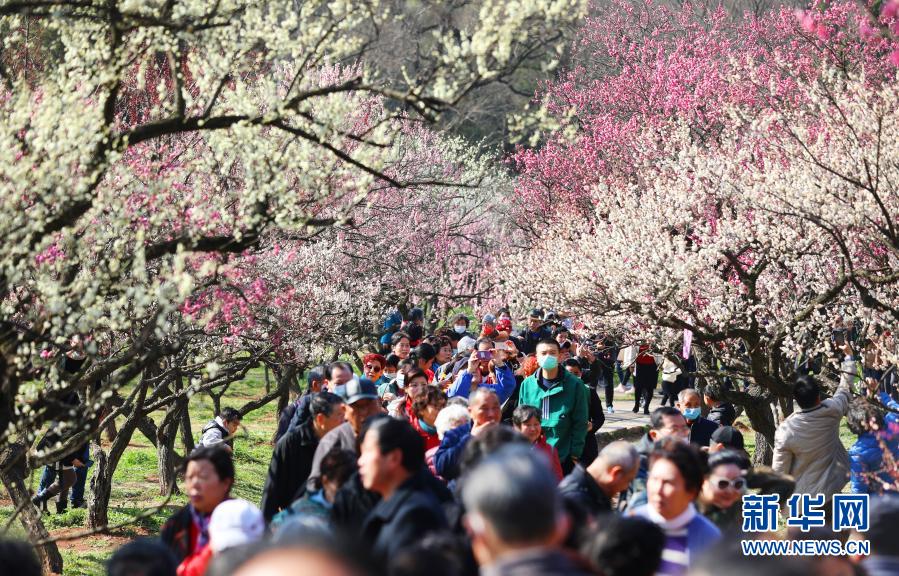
(485, 355)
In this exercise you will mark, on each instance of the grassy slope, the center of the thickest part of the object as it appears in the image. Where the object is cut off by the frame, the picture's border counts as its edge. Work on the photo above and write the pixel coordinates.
(136, 487)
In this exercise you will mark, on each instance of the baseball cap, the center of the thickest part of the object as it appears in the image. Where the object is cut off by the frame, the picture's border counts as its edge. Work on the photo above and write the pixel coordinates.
(488, 319)
(466, 344)
(536, 313)
(729, 436)
(358, 389)
(233, 523)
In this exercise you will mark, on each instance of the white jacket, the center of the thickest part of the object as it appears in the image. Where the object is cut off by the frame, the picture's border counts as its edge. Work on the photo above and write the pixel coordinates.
(807, 444)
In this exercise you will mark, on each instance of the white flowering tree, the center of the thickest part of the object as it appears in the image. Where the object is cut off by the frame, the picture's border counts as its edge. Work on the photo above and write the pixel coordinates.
(733, 180)
(137, 136)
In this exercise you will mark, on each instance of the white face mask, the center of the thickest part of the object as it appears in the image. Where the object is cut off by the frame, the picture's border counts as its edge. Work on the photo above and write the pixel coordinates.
(459, 329)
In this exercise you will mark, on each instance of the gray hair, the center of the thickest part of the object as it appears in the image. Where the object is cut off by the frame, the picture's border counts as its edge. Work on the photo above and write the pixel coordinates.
(514, 492)
(620, 453)
(479, 393)
(450, 417)
(682, 395)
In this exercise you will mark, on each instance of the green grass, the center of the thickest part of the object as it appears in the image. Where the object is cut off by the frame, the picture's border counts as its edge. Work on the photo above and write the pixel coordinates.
(136, 482)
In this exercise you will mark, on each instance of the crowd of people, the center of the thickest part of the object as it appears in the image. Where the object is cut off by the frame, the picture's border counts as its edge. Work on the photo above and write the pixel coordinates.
(461, 452)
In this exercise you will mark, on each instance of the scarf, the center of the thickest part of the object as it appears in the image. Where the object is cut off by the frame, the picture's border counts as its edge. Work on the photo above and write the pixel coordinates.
(201, 521)
(675, 523)
(427, 428)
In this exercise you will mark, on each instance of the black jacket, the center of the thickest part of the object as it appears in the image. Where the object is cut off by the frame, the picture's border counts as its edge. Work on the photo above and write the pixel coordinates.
(538, 562)
(289, 469)
(701, 431)
(175, 533)
(352, 504)
(394, 525)
(580, 487)
(284, 420)
(724, 414)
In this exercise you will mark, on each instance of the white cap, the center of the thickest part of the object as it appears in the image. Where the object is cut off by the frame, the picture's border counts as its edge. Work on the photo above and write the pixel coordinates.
(466, 344)
(235, 522)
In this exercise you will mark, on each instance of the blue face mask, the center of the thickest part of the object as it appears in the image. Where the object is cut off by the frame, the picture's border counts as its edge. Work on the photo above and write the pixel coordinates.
(548, 362)
(692, 413)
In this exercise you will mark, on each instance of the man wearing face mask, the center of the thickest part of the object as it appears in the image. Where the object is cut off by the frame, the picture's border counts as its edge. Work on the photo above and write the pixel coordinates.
(562, 400)
(701, 429)
(488, 326)
(460, 324)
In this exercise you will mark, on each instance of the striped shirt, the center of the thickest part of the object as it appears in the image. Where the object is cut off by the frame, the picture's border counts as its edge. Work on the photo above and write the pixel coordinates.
(675, 558)
(675, 555)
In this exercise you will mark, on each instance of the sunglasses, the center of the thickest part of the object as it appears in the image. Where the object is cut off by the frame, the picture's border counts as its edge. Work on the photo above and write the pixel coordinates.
(375, 367)
(737, 483)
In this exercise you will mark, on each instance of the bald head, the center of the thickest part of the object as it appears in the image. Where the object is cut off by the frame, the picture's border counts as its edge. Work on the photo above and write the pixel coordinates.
(484, 407)
(615, 467)
(620, 453)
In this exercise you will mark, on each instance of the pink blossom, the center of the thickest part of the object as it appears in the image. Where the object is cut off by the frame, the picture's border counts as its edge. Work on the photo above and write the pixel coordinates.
(889, 10)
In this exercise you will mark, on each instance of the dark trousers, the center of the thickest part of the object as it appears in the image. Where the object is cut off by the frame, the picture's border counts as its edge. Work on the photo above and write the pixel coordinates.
(60, 488)
(49, 475)
(623, 374)
(644, 384)
(642, 391)
(669, 392)
(607, 381)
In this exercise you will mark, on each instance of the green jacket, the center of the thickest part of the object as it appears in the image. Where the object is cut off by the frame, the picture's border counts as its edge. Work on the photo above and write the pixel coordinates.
(565, 419)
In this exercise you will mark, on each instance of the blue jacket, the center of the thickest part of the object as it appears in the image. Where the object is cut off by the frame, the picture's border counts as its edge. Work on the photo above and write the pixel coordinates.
(504, 386)
(449, 455)
(866, 455)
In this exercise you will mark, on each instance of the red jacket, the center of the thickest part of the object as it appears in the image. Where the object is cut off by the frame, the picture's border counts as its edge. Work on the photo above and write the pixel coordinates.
(543, 446)
(195, 565)
(431, 440)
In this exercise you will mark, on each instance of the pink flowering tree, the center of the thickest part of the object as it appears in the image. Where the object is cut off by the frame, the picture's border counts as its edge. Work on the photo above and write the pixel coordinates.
(651, 216)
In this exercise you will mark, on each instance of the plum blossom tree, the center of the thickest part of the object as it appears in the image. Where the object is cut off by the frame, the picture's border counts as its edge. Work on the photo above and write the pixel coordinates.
(137, 138)
(666, 191)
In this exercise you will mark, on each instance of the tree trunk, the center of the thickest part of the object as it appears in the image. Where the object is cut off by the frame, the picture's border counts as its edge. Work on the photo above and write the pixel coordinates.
(165, 453)
(187, 434)
(101, 488)
(105, 463)
(165, 449)
(286, 380)
(12, 474)
(762, 420)
(167, 458)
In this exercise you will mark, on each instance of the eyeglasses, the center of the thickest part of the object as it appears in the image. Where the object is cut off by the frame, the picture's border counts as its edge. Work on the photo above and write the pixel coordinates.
(736, 483)
(375, 367)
